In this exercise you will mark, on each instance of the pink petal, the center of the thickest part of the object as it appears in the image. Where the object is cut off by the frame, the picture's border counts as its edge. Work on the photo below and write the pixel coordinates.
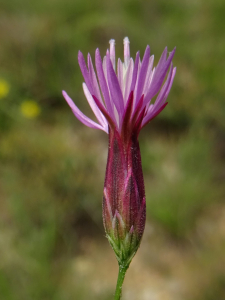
(103, 83)
(129, 76)
(114, 87)
(84, 71)
(142, 75)
(94, 107)
(135, 71)
(171, 82)
(163, 90)
(80, 116)
(93, 79)
(120, 73)
(148, 75)
(160, 73)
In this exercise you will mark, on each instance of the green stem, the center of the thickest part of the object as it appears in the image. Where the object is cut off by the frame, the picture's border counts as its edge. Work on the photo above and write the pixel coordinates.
(121, 275)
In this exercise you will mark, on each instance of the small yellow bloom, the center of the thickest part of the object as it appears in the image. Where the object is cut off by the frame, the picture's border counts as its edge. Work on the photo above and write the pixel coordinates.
(30, 109)
(4, 88)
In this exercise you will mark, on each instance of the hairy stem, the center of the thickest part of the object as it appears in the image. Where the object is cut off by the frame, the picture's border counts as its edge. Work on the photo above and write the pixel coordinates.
(121, 275)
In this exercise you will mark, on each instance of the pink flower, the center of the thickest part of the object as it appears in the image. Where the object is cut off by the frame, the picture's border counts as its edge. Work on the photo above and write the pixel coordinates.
(121, 102)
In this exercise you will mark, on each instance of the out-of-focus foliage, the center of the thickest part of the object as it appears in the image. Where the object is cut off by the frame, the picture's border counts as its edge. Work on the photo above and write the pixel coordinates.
(52, 243)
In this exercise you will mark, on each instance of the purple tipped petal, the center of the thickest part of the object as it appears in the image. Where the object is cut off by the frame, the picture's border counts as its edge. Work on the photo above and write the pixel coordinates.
(148, 75)
(163, 90)
(94, 107)
(129, 76)
(171, 82)
(84, 71)
(80, 116)
(160, 73)
(134, 78)
(142, 75)
(93, 79)
(105, 69)
(162, 59)
(114, 87)
(103, 83)
(105, 113)
(120, 73)
(155, 109)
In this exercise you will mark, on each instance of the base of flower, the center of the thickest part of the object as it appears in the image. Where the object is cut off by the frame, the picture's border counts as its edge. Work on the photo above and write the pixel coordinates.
(124, 253)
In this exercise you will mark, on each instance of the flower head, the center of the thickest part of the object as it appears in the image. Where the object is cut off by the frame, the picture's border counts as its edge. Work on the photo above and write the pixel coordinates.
(121, 101)
(109, 95)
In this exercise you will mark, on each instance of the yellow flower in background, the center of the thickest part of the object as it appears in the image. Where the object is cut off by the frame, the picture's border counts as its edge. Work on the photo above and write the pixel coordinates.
(4, 88)
(30, 109)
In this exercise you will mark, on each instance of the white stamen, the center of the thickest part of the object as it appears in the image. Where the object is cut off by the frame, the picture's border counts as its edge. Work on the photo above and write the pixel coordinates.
(112, 52)
(126, 43)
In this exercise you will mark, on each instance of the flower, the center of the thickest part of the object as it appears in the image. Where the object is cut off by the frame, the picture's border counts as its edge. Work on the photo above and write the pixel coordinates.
(137, 77)
(30, 109)
(121, 102)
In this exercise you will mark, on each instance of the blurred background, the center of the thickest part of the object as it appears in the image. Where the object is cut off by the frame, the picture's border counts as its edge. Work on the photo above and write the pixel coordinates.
(52, 243)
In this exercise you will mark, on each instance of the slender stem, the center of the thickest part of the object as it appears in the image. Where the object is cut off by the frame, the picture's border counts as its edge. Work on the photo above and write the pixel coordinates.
(121, 275)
